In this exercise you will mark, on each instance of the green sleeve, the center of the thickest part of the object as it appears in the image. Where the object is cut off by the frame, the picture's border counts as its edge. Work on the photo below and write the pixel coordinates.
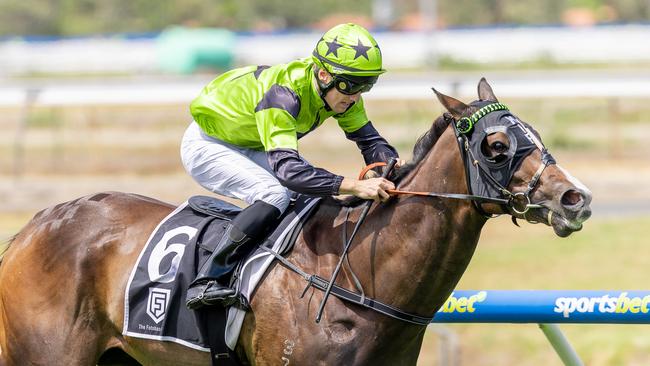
(277, 129)
(354, 118)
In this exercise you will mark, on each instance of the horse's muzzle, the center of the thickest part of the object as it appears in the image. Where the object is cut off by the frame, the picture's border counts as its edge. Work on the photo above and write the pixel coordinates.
(568, 211)
(575, 204)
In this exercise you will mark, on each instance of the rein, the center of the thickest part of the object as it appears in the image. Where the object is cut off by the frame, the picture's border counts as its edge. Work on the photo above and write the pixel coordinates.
(480, 199)
(461, 196)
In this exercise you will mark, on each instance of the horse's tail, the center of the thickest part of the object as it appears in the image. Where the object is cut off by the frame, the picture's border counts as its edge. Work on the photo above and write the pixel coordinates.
(5, 246)
(6, 243)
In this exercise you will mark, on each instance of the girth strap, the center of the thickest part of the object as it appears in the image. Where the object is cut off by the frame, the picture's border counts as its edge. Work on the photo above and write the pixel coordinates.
(342, 293)
(321, 284)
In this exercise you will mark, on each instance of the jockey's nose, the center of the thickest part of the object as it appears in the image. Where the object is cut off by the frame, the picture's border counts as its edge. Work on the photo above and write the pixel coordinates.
(355, 97)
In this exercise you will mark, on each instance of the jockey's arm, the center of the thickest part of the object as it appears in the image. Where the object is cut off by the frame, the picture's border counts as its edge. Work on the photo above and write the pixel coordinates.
(297, 174)
(373, 147)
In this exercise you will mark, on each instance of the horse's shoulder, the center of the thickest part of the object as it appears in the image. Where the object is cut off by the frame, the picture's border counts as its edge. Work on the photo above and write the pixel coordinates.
(320, 233)
(325, 215)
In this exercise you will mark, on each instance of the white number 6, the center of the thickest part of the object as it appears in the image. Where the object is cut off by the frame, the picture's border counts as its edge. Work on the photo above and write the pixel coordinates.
(162, 249)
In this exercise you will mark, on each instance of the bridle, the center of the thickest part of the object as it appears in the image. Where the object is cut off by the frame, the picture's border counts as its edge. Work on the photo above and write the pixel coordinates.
(519, 202)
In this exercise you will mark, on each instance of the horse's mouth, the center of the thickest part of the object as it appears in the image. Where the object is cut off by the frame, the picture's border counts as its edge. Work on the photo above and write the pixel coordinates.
(562, 226)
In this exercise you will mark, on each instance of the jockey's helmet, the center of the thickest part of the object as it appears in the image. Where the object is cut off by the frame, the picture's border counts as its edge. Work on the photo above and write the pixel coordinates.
(351, 55)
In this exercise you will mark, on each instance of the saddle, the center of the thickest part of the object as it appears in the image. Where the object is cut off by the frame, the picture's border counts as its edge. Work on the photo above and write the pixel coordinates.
(180, 244)
(211, 206)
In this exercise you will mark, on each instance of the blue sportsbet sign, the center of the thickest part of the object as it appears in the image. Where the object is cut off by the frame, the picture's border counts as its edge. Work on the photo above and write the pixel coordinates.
(533, 306)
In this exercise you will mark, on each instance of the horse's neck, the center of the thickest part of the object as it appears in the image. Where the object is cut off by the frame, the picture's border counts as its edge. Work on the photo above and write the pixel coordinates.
(434, 238)
(441, 170)
(409, 252)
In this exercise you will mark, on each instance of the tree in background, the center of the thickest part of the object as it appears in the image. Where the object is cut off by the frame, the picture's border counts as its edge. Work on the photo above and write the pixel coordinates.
(83, 17)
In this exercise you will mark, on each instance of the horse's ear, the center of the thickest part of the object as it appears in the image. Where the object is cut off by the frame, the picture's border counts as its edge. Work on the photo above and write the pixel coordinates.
(454, 106)
(485, 91)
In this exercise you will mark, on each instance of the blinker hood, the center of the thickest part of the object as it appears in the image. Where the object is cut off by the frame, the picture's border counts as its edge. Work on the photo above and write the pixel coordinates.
(491, 175)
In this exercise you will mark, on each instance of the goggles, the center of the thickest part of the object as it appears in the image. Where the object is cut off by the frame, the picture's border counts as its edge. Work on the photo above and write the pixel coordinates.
(350, 85)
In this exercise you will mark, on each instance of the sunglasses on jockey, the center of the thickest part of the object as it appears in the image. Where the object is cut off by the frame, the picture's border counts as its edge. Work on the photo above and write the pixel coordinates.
(350, 85)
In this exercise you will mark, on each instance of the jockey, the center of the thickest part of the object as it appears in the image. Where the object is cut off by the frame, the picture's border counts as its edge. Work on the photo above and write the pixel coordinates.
(243, 142)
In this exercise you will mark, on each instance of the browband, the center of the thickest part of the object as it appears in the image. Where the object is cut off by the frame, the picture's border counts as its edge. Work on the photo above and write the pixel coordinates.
(465, 124)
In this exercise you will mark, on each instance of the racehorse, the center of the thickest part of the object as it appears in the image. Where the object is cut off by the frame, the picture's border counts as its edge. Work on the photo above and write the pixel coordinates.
(63, 277)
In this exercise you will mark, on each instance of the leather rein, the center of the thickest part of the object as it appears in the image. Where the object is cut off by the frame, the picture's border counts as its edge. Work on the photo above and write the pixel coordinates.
(460, 196)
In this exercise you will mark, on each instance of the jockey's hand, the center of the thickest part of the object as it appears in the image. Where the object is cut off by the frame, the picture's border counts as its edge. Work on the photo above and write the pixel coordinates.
(368, 189)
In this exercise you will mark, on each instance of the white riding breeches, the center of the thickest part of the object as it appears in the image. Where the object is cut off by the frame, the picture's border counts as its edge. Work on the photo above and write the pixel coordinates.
(231, 170)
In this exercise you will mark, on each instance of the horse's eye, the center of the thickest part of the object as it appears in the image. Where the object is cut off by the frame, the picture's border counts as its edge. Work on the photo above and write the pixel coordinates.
(499, 147)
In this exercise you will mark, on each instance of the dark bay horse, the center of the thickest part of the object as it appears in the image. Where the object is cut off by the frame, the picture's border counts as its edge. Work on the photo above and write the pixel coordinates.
(63, 277)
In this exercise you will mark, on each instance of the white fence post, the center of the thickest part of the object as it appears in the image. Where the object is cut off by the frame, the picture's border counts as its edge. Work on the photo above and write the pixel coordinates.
(561, 345)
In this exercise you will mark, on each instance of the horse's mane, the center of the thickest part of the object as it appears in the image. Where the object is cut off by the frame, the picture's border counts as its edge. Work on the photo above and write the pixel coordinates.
(423, 145)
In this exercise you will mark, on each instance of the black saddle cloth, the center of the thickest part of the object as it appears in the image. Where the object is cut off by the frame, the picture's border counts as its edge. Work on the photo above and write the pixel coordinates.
(156, 291)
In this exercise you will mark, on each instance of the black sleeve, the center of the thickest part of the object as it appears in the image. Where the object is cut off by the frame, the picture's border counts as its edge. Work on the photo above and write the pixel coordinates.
(373, 147)
(298, 175)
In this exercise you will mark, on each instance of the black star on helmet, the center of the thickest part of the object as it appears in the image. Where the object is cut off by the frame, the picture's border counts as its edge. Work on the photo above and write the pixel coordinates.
(361, 50)
(333, 47)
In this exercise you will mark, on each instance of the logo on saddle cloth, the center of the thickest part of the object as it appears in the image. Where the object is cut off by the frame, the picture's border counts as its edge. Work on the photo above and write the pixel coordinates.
(157, 303)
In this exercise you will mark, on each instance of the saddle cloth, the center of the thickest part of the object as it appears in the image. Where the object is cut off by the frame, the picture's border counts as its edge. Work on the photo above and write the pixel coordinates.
(154, 305)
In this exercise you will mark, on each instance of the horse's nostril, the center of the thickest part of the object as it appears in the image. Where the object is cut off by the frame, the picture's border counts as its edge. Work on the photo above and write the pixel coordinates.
(571, 198)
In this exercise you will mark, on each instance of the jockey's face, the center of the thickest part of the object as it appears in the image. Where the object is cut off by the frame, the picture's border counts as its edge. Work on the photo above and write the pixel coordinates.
(336, 100)
(340, 102)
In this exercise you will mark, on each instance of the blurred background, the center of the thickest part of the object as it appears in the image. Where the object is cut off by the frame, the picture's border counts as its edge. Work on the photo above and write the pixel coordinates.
(94, 96)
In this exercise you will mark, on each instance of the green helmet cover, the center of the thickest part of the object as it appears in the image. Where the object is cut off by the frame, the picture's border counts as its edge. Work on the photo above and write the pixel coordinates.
(348, 49)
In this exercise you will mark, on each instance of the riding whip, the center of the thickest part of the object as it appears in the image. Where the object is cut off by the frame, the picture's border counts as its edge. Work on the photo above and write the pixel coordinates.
(364, 213)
